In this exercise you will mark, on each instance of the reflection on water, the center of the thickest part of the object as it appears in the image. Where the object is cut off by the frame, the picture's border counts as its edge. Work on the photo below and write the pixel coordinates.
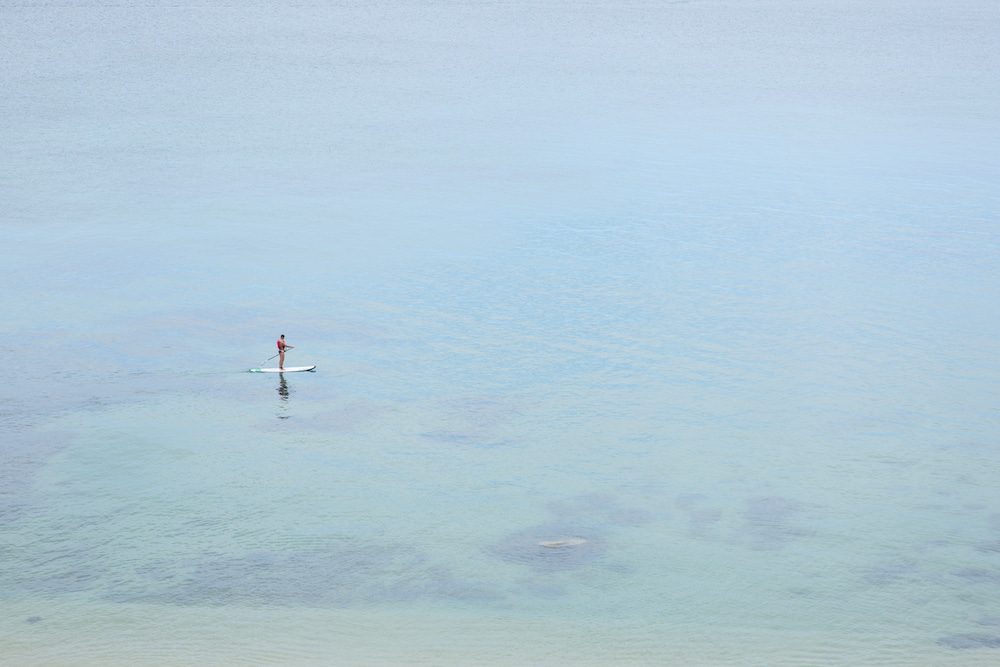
(284, 394)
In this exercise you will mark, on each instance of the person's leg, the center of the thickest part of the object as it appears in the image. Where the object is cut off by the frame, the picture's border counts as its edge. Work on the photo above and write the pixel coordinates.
(281, 359)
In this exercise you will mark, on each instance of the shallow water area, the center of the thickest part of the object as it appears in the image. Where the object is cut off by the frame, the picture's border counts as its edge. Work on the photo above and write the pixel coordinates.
(645, 334)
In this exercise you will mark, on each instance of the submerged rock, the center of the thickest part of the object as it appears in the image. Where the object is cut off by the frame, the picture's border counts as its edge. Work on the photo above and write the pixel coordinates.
(559, 544)
(551, 547)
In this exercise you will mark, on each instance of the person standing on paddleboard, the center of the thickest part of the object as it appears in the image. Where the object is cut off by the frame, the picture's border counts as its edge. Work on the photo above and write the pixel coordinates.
(282, 346)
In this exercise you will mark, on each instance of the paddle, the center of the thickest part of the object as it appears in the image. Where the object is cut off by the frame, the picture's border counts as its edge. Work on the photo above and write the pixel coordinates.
(266, 360)
(287, 348)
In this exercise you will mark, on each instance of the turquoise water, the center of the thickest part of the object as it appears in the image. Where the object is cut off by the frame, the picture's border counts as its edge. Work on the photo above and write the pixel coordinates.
(646, 334)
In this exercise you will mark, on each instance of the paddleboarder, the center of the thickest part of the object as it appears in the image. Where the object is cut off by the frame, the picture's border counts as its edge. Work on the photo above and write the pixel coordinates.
(282, 346)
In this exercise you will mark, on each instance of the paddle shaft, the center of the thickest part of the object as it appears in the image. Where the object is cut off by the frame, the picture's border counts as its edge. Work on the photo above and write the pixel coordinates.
(287, 348)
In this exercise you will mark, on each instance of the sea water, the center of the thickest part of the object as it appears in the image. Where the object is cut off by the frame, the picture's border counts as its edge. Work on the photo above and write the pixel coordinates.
(647, 333)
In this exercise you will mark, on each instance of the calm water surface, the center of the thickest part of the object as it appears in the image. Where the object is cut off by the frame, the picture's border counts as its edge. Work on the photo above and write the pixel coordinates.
(647, 334)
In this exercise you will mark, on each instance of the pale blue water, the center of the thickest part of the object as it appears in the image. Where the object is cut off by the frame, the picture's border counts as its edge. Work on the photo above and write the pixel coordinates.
(706, 290)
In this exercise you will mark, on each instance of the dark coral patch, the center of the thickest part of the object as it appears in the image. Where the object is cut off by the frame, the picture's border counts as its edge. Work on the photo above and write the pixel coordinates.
(889, 573)
(978, 575)
(701, 517)
(990, 547)
(332, 577)
(970, 641)
(770, 521)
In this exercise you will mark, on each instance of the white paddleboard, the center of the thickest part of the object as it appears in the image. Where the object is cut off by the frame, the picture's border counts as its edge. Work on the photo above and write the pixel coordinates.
(287, 369)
